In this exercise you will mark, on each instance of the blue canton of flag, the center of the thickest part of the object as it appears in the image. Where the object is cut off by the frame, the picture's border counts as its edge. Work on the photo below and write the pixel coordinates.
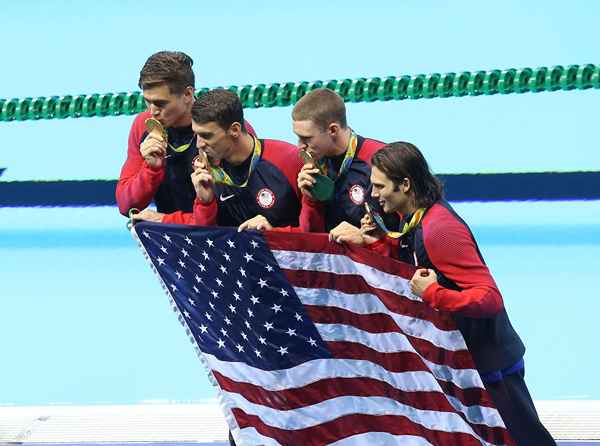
(235, 300)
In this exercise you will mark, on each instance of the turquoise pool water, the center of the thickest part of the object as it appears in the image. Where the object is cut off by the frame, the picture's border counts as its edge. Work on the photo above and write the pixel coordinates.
(83, 320)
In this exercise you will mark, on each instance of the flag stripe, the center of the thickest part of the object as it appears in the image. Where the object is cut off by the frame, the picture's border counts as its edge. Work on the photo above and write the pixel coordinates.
(405, 362)
(385, 342)
(355, 291)
(329, 410)
(364, 387)
(339, 264)
(369, 303)
(320, 244)
(382, 323)
(307, 373)
(349, 425)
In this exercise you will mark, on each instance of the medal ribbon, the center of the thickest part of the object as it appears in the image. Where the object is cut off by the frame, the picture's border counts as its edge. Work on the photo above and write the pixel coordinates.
(414, 221)
(346, 162)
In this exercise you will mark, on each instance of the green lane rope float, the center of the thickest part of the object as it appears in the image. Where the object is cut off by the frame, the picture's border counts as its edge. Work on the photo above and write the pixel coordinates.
(391, 88)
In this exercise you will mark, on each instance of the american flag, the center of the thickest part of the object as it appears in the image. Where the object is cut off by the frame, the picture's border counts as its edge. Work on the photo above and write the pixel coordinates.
(314, 343)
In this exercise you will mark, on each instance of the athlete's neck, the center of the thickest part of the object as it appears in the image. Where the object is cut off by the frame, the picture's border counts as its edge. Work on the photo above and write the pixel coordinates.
(410, 207)
(185, 120)
(242, 149)
(342, 141)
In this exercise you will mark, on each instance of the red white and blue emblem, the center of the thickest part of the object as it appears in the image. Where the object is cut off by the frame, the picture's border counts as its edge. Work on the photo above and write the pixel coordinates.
(357, 194)
(265, 198)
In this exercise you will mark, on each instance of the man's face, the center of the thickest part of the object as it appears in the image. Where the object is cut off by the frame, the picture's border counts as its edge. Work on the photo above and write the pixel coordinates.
(213, 140)
(168, 108)
(318, 142)
(383, 190)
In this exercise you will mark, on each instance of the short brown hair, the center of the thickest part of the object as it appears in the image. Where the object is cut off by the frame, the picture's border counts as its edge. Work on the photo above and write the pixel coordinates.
(172, 68)
(221, 106)
(400, 160)
(321, 106)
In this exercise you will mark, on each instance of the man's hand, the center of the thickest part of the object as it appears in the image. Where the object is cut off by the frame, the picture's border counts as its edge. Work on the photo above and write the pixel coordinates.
(258, 223)
(153, 150)
(148, 215)
(306, 179)
(203, 181)
(421, 280)
(368, 226)
(347, 233)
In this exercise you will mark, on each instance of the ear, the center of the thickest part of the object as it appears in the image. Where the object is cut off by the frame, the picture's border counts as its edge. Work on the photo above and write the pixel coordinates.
(333, 129)
(235, 130)
(406, 185)
(188, 93)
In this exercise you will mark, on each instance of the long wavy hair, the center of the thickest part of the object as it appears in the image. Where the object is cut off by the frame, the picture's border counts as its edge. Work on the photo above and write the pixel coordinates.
(400, 160)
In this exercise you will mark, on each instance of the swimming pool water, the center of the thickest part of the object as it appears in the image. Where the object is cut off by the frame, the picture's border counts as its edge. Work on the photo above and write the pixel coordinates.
(83, 320)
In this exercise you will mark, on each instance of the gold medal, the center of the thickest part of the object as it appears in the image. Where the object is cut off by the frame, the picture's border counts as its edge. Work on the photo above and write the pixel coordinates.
(156, 129)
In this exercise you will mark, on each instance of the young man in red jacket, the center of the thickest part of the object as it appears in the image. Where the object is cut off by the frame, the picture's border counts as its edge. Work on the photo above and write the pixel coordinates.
(334, 180)
(156, 169)
(451, 276)
(246, 176)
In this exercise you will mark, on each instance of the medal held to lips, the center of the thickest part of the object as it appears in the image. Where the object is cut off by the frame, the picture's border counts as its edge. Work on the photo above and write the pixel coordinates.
(156, 129)
(323, 188)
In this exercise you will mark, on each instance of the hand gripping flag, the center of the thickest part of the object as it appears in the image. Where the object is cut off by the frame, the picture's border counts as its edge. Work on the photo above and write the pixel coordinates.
(315, 343)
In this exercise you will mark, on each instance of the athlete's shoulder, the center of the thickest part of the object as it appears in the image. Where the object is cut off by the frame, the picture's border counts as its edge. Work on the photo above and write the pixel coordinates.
(368, 147)
(441, 218)
(280, 153)
(140, 119)
(284, 156)
(138, 126)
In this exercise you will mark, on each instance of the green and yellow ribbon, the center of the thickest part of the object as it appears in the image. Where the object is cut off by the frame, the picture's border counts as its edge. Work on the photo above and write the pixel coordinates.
(324, 164)
(409, 226)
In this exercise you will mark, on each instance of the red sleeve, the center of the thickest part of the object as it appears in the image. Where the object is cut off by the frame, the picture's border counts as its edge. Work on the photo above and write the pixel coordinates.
(205, 214)
(179, 218)
(312, 215)
(138, 182)
(453, 251)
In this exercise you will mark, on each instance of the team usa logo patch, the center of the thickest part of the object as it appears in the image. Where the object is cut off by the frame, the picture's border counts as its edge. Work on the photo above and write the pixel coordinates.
(265, 198)
(357, 194)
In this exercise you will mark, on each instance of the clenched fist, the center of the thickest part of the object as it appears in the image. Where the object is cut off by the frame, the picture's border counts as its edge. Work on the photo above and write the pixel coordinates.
(203, 180)
(306, 178)
(153, 150)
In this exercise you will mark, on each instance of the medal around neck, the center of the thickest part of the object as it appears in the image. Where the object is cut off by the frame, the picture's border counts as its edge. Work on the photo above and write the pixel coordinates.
(324, 186)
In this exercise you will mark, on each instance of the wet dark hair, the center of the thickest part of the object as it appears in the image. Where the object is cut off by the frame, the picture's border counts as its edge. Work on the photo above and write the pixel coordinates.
(321, 106)
(171, 68)
(221, 106)
(400, 160)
